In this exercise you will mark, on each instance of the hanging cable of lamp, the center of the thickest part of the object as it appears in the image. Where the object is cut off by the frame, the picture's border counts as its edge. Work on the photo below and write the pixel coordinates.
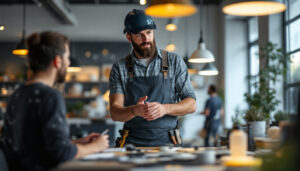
(252, 7)
(170, 8)
(201, 55)
(21, 49)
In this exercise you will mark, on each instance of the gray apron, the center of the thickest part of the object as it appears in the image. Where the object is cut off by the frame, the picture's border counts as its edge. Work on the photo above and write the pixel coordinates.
(145, 133)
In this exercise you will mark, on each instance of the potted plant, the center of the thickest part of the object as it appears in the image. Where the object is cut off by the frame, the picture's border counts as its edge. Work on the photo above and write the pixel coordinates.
(262, 102)
(281, 116)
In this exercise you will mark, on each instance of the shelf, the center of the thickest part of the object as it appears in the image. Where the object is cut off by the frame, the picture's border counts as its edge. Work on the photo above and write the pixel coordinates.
(79, 97)
(12, 82)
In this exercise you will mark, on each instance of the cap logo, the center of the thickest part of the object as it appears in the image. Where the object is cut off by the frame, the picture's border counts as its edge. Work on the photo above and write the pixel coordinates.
(149, 21)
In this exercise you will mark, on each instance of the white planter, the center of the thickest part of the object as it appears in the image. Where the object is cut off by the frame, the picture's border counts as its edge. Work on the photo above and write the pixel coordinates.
(258, 128)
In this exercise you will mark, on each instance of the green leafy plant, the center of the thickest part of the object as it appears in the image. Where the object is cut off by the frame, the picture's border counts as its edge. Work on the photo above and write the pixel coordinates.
(281, 116)
(263, 101)
(237, 117)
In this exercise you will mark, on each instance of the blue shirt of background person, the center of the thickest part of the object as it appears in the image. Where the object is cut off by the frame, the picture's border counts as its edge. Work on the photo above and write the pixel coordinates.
(213, 112)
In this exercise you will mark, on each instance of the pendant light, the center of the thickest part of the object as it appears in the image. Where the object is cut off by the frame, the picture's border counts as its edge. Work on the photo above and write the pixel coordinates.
(74, 64)
(172, 24)
(201, 55)
(2, 27)
(21, 50)
(209, 69)
(252, 7)
(170, 8)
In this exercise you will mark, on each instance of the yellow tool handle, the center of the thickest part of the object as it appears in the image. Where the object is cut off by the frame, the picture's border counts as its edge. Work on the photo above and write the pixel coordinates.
(124, 138)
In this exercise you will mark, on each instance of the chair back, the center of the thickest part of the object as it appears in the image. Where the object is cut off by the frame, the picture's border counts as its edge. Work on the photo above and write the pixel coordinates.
(3, 161)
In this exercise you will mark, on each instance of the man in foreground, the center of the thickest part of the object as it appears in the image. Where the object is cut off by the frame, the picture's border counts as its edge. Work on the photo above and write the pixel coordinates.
(36, 135)
(149, 88)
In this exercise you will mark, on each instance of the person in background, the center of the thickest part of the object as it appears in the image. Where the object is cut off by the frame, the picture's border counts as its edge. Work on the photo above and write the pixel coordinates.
(213, 111)
(149, 88)
(36, 134)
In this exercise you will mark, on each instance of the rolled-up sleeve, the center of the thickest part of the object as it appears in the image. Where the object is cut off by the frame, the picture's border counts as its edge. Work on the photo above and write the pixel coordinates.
(183, 84)
(115, 82)
(56, 131)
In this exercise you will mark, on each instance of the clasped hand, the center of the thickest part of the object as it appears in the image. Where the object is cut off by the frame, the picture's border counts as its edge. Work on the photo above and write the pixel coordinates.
(149, 110)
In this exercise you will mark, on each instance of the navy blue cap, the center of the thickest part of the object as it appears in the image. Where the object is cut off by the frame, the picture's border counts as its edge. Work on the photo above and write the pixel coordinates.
(136, 21)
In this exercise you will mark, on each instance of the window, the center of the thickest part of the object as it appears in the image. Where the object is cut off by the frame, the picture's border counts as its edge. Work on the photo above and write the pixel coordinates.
(253, 58)
(292, 25)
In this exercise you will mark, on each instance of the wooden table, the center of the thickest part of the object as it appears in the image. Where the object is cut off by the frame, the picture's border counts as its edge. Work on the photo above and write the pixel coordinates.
(112, 165)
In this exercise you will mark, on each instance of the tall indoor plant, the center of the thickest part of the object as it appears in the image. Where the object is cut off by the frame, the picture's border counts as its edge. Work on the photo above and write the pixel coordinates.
(262, 102)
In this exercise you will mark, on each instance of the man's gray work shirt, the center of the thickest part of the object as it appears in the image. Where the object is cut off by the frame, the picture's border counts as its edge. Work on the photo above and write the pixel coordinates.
(177, 72)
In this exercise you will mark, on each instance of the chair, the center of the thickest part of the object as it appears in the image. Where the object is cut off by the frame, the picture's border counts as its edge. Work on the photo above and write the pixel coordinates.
(3, 161)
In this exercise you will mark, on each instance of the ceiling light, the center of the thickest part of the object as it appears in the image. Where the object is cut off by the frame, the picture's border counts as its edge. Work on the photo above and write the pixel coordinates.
(252, 7)
(201, 54)
(170, 47)
(209, 69)
(172, 24)
(143, 2)
(2, 27)
(21, 50)
(170, 8)
(74, 66)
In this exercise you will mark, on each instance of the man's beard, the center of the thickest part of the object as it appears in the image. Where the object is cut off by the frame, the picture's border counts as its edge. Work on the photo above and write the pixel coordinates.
(144, 52)
(61, 74)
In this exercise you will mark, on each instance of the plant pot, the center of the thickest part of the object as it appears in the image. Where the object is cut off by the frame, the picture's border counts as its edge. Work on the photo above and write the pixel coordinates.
(258, 128)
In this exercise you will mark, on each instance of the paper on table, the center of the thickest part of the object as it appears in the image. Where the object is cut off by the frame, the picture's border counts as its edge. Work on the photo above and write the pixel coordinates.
(97, 156)
(110, 150)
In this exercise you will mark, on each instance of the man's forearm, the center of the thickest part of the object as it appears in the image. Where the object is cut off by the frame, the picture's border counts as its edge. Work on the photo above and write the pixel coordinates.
(121, 114)
(185, 106)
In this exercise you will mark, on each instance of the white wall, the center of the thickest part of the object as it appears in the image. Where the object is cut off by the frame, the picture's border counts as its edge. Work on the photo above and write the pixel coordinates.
(235, 67)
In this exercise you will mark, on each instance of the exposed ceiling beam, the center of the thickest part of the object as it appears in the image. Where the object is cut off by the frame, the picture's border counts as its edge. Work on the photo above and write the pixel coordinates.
(61, 10)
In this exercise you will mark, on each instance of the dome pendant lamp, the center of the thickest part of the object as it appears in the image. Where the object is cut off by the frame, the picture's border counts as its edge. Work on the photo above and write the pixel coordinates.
(209, 69)
(201, 55)
(21, 50)
(252, 7)
(170, 8)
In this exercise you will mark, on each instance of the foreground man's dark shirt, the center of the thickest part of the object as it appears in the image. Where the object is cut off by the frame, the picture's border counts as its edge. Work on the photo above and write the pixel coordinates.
(36, 135)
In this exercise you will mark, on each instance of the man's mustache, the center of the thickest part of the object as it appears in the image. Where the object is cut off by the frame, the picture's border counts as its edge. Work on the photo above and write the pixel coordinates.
(145, 43)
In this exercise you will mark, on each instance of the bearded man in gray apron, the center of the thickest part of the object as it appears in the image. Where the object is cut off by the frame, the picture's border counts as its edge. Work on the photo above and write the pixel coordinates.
(149, 88)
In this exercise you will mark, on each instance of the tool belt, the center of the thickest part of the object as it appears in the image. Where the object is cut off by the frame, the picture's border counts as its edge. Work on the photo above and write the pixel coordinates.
(120, 141)
(175, 137)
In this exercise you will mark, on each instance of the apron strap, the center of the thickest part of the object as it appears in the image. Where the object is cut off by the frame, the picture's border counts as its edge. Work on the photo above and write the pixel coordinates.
(129, 66)
(165, 65)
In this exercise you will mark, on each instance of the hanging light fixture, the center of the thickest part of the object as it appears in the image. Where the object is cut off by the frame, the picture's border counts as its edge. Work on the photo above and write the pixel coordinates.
(172, 24)
(252, 7)
(143, 2)
(21, 50)
(171, 47)
(209, 69)
(170, 8)
(201, 55)
(2, 27)
(74, 66)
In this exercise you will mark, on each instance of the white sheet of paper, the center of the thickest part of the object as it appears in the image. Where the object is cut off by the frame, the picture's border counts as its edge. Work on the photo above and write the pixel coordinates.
(97, 156)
